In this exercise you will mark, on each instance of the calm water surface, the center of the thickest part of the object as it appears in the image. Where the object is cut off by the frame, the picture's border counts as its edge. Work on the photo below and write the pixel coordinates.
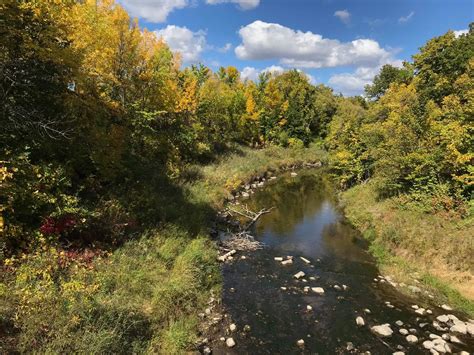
(307, 222)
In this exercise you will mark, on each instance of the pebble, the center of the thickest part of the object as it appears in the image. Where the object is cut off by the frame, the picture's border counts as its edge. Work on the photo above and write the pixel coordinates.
(414, 289)
(283, 288)
(411, 339)
(312, 278)
(383, 330)
(367, 311)
(222, 339)
(398, 353)
(459, 327)
(345, 287)
(306, 289)
(337, 287)
(309, 308)
(300, 342)
(455, 339)
(232, 327)
(399, 323)
(403, 331)
(293, 174)
(230, 342)
(247, 328)
(278, 258)
(299, 274)
(360, 321)
(318, 290)
(415, 306)
(305, 260)
(208, 311)
(428, 344)
(207, 350)
(349, 346)
(287, 262)
(420, 311)
(446, 307)
(443, 318)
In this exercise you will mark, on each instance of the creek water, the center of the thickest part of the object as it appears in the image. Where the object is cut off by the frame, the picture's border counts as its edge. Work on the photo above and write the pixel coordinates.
(307, 222)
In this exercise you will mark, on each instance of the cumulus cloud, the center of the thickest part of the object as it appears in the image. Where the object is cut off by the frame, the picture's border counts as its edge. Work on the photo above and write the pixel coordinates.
(243, 4)
(350, 84)
(252, 73)
(263, 41)
(224, 49)
(153, 10)
(460, 33)
(181, 39)
(343, 15)
(406, 18)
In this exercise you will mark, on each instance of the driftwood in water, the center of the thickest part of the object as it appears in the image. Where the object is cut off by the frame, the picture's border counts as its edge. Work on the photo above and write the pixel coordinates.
(243, 240)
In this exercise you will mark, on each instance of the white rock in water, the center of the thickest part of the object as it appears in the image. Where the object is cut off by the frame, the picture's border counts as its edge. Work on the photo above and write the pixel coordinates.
(399, 323)
(287, 262)
(398, 353)
(345, 287)
(207, 350)
(230, 342)
(245, 194)
(459, 327)
(312, 278)
(411, 339)
(305, 260)
(428, 344)
(420, 311)
(446, 307)
(300, 342)
(455, 339)
(293, 174)
(360, 321)
(306, 289)
(337, 287)
(470, 328)
(309, 308)
(278, 258)
(283, 288)
(232, 327)
(403, 331)
(383, 330)
(367, 311)
(415, 306)
(429, 311)
(299, 274)
(318, 290)
(442, 318)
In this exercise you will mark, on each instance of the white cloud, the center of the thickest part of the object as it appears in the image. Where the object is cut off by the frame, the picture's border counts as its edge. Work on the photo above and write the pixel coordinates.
(406, 18)
(180, 39)
(153, 10)
(243, 4)
(343, 15)
(350, 84)
(252, 73)
(460, 33)
(262, 41)
(227, 47)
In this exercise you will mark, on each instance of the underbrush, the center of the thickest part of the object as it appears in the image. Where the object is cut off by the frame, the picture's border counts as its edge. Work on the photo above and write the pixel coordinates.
(407, 240)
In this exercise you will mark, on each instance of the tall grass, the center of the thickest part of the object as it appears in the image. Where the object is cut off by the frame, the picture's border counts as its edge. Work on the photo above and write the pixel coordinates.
(406, 240)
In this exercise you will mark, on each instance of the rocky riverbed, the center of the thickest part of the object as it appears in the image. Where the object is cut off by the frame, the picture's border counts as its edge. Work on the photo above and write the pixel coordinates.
(314, 288)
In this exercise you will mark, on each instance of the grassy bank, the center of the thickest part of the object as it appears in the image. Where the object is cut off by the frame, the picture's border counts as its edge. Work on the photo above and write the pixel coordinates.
(143, 296)
(418, 248)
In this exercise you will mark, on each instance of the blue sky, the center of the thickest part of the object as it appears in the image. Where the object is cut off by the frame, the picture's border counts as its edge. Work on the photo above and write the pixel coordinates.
(338, 43)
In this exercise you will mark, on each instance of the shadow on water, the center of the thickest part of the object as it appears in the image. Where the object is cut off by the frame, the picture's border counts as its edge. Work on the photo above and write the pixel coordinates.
(307, 222)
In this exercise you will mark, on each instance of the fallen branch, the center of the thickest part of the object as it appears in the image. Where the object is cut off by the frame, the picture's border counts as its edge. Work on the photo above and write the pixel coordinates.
(253, 216)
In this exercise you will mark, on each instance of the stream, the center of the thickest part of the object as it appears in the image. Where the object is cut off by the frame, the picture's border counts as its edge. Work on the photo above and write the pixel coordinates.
(271, 308)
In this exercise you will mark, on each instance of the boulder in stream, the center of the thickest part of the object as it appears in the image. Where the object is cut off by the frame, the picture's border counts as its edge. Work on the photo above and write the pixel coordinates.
(360, 321)
(382, 330)
(299, 274)
(230, 342)
(318, 290)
